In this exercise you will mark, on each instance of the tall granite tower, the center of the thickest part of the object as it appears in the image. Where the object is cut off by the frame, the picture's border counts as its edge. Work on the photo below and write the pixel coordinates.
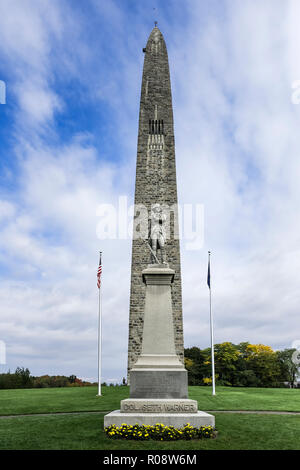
(158, 378)
(155, 184)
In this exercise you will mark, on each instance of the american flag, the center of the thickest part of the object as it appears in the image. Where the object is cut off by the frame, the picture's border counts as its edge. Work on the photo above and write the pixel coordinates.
(99, 273)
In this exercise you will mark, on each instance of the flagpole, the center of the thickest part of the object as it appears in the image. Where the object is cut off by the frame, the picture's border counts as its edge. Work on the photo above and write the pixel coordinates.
(211, 333)
(99, 336)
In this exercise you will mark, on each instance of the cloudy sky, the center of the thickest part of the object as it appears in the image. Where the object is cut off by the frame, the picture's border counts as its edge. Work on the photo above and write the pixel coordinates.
(68, 135)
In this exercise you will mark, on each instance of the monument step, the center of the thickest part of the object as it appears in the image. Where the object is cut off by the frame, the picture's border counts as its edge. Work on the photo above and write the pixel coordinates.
(178, 420)
(156, 405)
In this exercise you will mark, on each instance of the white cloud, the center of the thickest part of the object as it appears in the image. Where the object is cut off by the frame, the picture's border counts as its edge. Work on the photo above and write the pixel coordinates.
(7, 210)
(242, 144)
(38, 103)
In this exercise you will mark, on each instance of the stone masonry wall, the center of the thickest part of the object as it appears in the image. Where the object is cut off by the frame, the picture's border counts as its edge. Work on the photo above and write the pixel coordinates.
(155, 183)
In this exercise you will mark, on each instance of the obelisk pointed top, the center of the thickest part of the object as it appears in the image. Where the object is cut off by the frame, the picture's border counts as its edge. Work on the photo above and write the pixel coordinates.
(155, 36)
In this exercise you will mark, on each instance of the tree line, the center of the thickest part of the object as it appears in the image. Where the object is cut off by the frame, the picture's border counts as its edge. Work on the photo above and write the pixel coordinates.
(241, 365)
(22, 378)
(236, 365)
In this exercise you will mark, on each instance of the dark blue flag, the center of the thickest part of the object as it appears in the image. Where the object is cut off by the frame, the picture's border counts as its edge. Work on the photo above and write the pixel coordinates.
(208, 273)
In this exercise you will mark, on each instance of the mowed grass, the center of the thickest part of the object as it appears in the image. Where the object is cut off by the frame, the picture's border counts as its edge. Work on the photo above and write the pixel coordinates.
(257, 399)
(85, 432)
(58, 400)
(55, 400)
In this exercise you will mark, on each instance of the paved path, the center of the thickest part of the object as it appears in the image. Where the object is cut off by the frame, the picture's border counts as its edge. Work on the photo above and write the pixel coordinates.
(259, 412)
(55, 414)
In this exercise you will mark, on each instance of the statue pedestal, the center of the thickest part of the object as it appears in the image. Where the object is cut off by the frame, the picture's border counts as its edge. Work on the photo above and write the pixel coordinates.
(158, 373)
(158, 380)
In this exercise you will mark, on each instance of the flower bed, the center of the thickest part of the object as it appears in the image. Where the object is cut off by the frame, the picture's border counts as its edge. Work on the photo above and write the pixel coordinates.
(158, 432)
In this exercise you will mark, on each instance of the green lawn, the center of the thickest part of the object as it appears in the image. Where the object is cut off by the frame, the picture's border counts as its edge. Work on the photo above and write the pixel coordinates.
(82, 432)
(55, 400)
(50, 400)
(236, 431)
(258, 399)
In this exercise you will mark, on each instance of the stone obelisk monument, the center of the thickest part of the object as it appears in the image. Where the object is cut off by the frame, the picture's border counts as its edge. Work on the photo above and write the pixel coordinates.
(155, 183)
(158, 379)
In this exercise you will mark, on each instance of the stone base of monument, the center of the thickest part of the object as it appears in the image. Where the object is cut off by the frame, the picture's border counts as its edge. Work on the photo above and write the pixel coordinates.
(178, 420)
(170, 412)
(158, 380)
(158, 405)
(158, 383)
